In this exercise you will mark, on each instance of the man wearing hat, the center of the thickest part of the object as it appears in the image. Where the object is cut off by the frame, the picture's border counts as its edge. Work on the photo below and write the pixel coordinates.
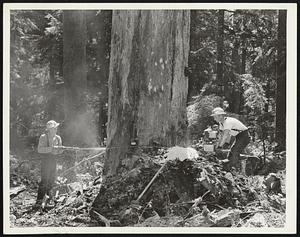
(48, 147)
(231, 127)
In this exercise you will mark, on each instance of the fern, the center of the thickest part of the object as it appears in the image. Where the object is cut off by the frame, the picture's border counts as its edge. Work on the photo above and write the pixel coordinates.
(254, 93)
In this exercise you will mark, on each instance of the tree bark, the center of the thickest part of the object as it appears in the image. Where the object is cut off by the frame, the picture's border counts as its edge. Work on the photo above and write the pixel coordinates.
(147, 86)
(233, 93)
(243, 71)
(220, 49)
(281, 82)
(244, 55)
(235, 56)
(103, 54)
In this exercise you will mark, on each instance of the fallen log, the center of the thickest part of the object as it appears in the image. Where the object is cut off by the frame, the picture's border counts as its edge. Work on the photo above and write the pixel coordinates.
(15, 191)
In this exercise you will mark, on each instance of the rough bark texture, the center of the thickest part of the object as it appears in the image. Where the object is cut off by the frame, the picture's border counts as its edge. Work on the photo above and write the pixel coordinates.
(220, 49)
(76, 127)
(147, 86)
(281, 82)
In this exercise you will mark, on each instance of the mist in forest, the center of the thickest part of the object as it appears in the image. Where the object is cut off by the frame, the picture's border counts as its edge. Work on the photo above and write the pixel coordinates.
(82, 130)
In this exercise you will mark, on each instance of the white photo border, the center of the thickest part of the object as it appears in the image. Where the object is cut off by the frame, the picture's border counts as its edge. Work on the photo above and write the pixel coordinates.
(291, 117)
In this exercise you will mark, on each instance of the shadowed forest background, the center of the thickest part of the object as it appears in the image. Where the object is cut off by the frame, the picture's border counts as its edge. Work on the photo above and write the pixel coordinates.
(149, 78)
(238, 56)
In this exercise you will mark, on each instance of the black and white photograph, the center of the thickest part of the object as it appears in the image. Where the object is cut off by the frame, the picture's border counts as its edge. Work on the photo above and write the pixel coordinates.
(149, 118)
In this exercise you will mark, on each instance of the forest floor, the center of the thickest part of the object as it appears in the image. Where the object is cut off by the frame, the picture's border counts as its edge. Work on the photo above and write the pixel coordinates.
(190, 191)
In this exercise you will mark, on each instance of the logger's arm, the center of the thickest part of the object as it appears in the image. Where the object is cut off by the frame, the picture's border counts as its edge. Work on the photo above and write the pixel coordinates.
(58, 149)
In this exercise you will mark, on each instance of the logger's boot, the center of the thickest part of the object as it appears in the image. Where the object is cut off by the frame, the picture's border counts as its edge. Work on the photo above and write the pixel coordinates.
(45, 201)
(227, 166)
(37, 206)
(49, 201)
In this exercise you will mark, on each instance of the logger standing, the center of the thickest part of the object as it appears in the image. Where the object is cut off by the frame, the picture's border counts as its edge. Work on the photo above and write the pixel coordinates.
(48, 148)
(231, 127)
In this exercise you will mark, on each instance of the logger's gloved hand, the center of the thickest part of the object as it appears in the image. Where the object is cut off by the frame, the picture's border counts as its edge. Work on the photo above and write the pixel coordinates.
(58, 148)
(218, 151)
(217, 148)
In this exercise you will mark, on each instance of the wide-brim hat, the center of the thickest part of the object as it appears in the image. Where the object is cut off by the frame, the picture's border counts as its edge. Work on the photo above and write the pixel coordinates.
(217, 111)
(51, 124)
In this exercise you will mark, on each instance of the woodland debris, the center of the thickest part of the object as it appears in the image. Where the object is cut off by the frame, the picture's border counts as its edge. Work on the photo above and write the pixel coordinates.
(107, 222)
(103, 219)
(149, 184)
(188, 192)
(273, 183)
(226, 217)
(202, 219)
(15, 191)
(183, 188)
(157, 221)
(258, 220)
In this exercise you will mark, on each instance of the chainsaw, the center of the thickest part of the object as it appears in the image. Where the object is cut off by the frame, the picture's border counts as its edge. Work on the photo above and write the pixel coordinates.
(81, 149)
(210, 139)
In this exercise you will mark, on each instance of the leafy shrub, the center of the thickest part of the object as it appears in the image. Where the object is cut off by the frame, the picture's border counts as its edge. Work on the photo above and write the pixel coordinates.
(199, 112)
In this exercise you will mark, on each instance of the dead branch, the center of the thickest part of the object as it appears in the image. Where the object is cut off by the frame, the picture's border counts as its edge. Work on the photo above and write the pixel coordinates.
(103, 219)
(16, 191)
(84, 159)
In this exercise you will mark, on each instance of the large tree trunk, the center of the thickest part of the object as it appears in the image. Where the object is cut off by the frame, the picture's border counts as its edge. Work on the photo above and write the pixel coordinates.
(147, 86)
(281, 82)
(220, 51)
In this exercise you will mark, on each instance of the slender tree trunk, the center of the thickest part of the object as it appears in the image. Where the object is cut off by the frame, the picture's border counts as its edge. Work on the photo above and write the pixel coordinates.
(233, 94)
(281, 82)
(101, 120)
(242, 71)
(52, 93)
(235, 58)
(147, 86)
(220, 51)
(103, 54)
(244, 55)
(77, 127)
